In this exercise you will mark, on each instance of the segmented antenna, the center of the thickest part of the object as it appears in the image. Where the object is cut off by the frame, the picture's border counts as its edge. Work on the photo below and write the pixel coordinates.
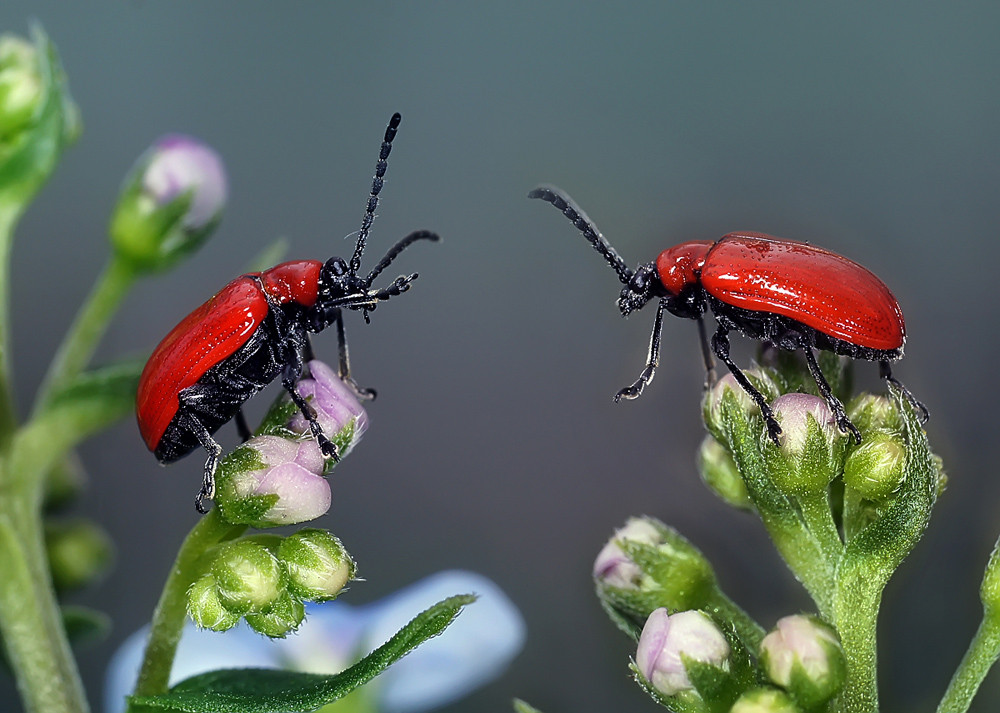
(377, 182)
(396, 249)
(562, 201)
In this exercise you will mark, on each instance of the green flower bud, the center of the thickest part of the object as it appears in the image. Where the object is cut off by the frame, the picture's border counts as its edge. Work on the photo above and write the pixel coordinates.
(79, 552)
(812, 447)
(205, 607)
(803, 656)
(711, 407)
(318, 566)
(719, 472)
(283, 618)
(21, 86)
(248, 577)
(170, 203)
(877, 467)
(764, 700)
(870, 412)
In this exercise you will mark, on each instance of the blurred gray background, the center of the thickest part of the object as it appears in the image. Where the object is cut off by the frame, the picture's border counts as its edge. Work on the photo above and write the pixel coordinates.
(869, 129)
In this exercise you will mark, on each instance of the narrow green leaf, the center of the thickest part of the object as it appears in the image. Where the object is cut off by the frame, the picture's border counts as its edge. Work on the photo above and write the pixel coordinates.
(277, 691)
(269, 256)
(524, 707)
(84, 625)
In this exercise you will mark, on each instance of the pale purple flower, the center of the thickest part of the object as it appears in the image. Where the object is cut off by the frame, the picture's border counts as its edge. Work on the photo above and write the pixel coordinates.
(665, 638)
(177, 164)
(470, 653)
(804, 643)
(615, 568)
(792, 412)
(293, 471)
(337, 407)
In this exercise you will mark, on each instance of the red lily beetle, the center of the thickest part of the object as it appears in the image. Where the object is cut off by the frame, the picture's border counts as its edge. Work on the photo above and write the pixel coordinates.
(792, 294)
(255, 329)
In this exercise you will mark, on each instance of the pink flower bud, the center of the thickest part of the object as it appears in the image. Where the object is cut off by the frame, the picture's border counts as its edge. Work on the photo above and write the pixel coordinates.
(178, 164)
(613, 566)
(665, 639)
(292, 471)
(793, 411)
(338, 410)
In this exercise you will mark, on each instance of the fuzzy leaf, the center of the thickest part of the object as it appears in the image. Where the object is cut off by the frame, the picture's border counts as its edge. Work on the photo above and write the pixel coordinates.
(524, 707)
(277, 691)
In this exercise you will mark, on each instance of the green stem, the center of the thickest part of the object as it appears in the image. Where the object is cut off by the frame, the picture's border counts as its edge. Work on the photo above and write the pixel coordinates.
(30, 619)
(749, 631)
(859, 595)
(982, 654)
(171, 610)
(819, 521)
(91, 321)
(9, 215)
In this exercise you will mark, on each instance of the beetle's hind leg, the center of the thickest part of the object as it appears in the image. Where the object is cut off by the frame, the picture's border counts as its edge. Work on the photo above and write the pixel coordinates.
(885, 371)
(843, 423)
(242, 427)
(195, 426)
(344, 364)
(720, 345)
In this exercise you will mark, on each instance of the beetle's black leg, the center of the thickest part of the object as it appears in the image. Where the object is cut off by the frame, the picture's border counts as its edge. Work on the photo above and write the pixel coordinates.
(344, 366)
(885, 371)
(720, 345)
(706, 353)
(242, 427)
(294, 346)
(207, 491)
(832, 401)
(635, 390)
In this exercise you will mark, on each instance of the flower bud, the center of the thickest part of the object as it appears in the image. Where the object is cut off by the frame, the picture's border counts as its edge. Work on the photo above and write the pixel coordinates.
(719, 472)
(21, 86)
(338, 410)
(877, 467)
(170, 203)
(803, 656)
(615, 568)
(271, 481)
(281, 619)
(711, 407)
(764, 700)
(206, 608)
(667, 640)
(248, 577)
(868, 412)
(648, 565)
(812, 446)
(318, 566)
(79, 552)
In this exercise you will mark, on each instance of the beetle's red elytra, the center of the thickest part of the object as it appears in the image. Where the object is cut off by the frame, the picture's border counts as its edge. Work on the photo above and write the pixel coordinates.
(790, 293)
(252, 331)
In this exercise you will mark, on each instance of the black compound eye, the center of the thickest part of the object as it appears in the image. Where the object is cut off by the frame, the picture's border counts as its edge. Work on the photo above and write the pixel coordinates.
(336, 266)
(638, 282)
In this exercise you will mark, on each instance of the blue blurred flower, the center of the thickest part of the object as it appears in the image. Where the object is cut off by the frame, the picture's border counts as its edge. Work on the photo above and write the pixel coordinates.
(473, 651)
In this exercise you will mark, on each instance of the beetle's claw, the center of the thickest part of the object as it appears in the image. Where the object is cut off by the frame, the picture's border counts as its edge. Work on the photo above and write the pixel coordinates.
(773, 430)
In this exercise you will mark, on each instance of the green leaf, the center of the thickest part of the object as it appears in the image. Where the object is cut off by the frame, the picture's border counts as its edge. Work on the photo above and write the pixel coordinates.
(277, 691)
(524, 707)
(88, 404)
(84, 625)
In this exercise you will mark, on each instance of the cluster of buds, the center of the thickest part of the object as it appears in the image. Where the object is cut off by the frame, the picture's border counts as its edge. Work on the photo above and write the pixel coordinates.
(688, 663)
(266, 581)
(276, 478)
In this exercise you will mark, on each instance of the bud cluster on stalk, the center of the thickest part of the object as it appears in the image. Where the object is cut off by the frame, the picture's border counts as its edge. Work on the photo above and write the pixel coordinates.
(266, 580)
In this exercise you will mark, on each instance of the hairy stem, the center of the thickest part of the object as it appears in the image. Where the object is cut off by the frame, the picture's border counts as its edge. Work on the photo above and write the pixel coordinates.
(982, 654)
(171, 610)
(9, 215)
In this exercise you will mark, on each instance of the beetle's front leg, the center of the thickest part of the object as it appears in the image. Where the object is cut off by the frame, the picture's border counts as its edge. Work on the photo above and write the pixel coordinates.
(344, 366)
(720, 345)
(292, 357)
(653, 360)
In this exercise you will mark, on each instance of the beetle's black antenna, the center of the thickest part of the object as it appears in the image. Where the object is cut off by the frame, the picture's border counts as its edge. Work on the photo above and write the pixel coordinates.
(562, 201)
(377, 182)
(396, 249)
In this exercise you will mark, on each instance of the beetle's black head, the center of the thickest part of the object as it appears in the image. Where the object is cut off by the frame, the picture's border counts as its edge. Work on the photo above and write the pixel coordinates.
(641, 287)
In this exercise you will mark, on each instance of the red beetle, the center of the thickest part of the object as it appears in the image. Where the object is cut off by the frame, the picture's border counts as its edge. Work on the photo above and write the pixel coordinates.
(253, 330)
(792, 294)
